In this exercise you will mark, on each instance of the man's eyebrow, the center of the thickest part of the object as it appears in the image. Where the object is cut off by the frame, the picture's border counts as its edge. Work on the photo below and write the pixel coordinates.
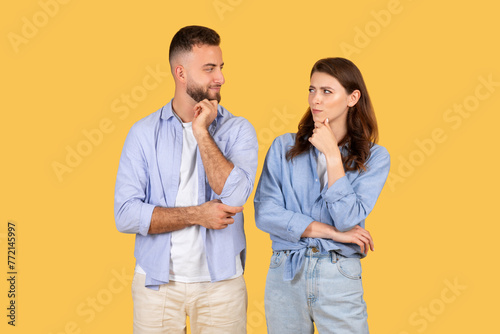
(212, 65)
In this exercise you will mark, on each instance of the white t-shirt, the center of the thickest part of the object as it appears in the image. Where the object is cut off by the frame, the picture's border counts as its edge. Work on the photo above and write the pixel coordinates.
(188, 261)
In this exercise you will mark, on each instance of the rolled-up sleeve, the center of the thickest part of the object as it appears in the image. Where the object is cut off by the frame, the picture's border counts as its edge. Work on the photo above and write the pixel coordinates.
(271, 216)
(242, 152)
(349, 203)
(132, 214)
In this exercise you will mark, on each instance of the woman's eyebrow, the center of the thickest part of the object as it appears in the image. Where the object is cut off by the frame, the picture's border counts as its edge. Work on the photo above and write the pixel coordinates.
(322, 87)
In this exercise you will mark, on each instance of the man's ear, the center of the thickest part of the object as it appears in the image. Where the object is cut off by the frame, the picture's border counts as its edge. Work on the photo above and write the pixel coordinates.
(180, 73)
(353, 98)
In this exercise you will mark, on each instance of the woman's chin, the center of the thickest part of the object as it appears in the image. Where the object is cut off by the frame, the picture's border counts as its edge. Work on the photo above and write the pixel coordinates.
(318, 118)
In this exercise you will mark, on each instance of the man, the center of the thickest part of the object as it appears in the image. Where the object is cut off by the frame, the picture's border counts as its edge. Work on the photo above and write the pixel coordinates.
(184, 174)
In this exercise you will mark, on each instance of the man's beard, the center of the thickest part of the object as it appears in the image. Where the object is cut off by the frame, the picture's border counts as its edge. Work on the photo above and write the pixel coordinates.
(199, 94)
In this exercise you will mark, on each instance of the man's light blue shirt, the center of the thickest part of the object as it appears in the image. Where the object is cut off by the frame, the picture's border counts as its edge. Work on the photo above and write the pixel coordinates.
(289, 198)
(148, 176)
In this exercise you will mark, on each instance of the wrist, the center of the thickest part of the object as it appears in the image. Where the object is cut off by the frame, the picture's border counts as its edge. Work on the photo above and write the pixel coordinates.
(333, 233)
(333, 158)
(332, 153)
(200, 133)
(193, 212)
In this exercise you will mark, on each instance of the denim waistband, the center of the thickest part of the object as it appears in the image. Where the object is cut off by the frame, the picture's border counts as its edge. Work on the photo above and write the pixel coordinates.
(315, 252)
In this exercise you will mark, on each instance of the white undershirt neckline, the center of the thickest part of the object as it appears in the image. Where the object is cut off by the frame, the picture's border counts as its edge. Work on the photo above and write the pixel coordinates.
(322, 171)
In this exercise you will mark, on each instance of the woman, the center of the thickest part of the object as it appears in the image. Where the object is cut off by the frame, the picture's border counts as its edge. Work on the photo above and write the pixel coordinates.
(316, 189)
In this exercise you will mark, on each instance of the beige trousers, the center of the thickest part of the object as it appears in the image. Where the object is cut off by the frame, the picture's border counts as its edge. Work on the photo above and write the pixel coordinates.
(218, 307)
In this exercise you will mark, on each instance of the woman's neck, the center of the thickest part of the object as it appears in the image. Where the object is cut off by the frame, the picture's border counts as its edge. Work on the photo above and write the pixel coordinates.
(339, 130)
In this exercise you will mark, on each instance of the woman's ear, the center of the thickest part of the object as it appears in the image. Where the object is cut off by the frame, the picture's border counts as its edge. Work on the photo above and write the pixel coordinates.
(353, 98)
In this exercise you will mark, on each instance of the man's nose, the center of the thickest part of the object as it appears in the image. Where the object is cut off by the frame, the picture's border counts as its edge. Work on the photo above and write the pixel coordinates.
(219, 78)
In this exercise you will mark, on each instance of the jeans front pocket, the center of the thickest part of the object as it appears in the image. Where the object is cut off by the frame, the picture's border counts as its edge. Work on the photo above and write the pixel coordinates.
(277, 259)
(350, 267)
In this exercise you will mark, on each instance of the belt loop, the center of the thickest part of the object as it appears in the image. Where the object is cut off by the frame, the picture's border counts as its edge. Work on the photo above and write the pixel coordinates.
(334, 256)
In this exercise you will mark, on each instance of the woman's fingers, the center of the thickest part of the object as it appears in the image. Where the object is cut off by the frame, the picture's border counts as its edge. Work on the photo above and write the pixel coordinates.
(362, 245)
(369, 238)
(363, 239)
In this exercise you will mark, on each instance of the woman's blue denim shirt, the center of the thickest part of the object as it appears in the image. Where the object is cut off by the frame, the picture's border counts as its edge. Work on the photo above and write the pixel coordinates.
(289, 198)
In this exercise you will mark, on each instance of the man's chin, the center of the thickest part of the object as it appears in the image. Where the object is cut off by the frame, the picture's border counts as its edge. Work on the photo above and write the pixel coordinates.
(215, 96)
(210, 98)
(199, 96)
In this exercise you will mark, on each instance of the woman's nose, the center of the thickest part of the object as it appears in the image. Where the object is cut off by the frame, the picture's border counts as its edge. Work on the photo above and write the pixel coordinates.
(316, 98)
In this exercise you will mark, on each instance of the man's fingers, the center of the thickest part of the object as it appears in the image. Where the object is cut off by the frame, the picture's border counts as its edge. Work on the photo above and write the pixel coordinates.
(197, 110)
(220, 227)
(224, 224)
(231, 209)
(198, 107)
(227, 222)
(209, 103)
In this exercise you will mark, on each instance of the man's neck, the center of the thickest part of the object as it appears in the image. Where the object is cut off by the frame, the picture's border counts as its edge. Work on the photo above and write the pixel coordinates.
(183, 106)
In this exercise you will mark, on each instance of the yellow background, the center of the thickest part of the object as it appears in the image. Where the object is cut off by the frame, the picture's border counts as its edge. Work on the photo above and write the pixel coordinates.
(432, 226)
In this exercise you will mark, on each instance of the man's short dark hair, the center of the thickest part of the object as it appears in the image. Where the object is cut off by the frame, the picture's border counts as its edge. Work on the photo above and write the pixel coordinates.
(187, 37)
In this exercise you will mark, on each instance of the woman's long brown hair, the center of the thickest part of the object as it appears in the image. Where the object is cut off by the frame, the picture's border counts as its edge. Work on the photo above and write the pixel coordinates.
(362, 131)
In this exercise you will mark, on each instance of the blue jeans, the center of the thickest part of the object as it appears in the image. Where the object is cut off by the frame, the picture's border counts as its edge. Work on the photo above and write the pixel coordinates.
(327, 291)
